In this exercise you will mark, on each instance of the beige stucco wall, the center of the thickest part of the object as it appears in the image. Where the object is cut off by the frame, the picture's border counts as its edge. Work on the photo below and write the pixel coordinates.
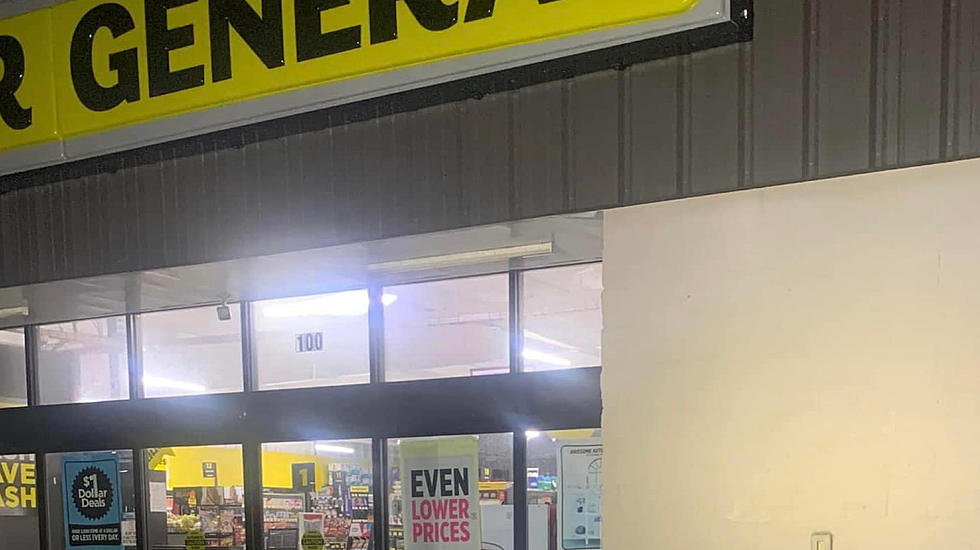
(796, 359)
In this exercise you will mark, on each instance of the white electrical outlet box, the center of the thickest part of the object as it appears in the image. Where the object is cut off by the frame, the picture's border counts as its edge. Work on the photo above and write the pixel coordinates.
(821, 541)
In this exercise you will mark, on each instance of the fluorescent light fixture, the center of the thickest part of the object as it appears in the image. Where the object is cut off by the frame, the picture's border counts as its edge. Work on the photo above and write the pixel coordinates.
(12, 338)
(545, 340)
(352, 303)
(535, 355)
(167, 384)
(325, 448)
(464, 258)
(531, 434)
(21, 311)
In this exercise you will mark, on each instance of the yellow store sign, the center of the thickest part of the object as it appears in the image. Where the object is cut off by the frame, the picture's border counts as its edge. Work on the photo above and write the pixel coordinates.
(18, 487)
(83, 67)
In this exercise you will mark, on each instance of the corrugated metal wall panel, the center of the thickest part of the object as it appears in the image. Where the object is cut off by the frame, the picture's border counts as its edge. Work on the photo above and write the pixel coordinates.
(964, 88)
(825, 88)
(486, 155)
(594, 140)
(840, 77)
(778, 98)
(909, 56)
(435, 168)
(539, 145)
(712, 110)
(654, 112)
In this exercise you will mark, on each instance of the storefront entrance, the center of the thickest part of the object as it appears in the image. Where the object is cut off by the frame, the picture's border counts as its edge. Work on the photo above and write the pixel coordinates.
(449, 400)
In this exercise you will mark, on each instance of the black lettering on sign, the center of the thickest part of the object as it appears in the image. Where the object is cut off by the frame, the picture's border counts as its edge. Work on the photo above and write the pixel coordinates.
(461, 477)
(311, 42)
(431, 14)
(479, 9)
(417, 484)
(160, 41)
(442, 482)
(262, 33)
(12, 56)
(125, 63)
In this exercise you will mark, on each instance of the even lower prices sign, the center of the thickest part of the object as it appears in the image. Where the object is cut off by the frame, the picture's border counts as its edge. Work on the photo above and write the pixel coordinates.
(440, 494)
(93, 515)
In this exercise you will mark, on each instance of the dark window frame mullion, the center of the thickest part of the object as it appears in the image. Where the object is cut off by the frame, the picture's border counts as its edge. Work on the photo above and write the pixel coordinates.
(254, 518)
(31, 364)
(134, 354)
(379, 445)
(141, 500)
(516, 320)
(41, 496)
(250, 380)
(251, 449)
(141, 488)
(376, 332)
(516, 335)
(379, 472)
(520, 491)
(40, 459)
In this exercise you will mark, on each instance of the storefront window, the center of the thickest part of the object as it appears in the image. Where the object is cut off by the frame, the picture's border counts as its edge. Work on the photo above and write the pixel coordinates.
(564, 489)
(18, 503)
(316, 489)
(313, 340)
(442, 329)
(192, 351)
(83, 361)
(13, 370)
(90, 495)
(452, 489)
(562, 317)
(196, 495)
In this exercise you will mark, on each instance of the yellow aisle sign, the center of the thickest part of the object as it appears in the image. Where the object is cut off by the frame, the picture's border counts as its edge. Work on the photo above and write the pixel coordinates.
(86, 66)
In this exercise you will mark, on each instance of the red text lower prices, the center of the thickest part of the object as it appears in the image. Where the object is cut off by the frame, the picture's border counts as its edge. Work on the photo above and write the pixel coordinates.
(440, 505)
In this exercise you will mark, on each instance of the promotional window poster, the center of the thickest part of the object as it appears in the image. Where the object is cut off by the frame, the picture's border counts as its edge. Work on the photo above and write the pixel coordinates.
(18, 490)
(93, 515)
(580, 495)
(440, 493)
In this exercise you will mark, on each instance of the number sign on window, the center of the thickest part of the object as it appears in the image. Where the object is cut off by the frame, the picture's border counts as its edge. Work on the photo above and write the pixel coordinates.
(309, 342)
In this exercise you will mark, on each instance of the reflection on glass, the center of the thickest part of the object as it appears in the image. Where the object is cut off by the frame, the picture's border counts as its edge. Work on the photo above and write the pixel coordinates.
(562, 317)
(564, 482)
(191, 352)
(55, 487)
(18, 503)
(436, 496)
(448, 328)
(83, 361)
(321, 487)
(313, 340)
(13, 370)
(196, 493)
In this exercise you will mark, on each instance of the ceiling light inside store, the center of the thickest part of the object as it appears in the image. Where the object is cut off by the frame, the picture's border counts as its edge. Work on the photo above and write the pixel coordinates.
(464, 258)
(545, 340)
(353, 303)
(531, 434)
(11, 338)
(535, 355)
(167, 384)
(324, 448)
(21, 311)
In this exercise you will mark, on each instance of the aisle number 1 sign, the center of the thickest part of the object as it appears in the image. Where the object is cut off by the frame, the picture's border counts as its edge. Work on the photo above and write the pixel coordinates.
(93, 516)
(304, 476)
